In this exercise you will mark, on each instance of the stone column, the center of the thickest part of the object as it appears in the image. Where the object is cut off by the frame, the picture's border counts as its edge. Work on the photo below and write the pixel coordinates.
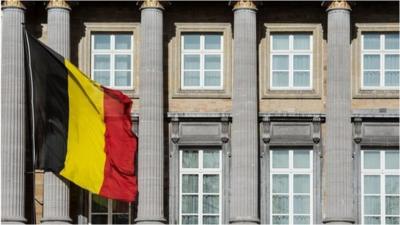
(13, 114)
(338, 204)
(151, 122)
(56, 189)
(244, 179)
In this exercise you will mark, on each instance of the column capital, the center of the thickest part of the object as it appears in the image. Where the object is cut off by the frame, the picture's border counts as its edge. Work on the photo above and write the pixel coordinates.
(151, 4)
(245, 4)
(13, 4)
(62, 4)
(339, 4)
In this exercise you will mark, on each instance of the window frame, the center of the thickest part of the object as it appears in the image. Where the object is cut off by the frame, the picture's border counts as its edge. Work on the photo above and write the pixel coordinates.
(291, 52)
(112, 52)
(202, 52)
(109, 212)
(382, 52)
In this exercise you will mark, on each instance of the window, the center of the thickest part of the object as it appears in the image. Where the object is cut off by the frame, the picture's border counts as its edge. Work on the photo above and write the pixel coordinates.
(291, 61)
(202, 61)
(200, 187)
(380, 175)
(104, 211)
(112, 60)
(291, 195)
(380, 61)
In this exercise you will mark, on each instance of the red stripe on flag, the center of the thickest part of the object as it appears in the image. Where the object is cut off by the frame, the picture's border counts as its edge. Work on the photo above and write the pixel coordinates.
(120, 182)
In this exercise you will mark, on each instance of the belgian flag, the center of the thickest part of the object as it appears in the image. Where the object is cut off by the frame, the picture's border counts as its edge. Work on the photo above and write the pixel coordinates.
(82, 130)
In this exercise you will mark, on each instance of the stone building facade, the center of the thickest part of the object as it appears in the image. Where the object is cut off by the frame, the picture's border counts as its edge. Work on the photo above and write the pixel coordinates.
(246, 112)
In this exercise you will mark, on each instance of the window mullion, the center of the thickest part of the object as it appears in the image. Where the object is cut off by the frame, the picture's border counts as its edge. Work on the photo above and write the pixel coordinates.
(200, 187)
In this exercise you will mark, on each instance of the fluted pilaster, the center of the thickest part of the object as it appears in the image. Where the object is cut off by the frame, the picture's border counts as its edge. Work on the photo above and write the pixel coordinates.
(151, 125)
(338, 157)
(56, 189)
(244, 185)
(13, 114)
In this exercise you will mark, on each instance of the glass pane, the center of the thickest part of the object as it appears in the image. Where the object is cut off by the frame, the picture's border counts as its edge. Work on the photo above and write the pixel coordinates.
(392, 160)
(120, 207)
(211, 183)
(280, 219)
(210, 219)
(101, 41)
(371, 78)
(280, 204)
(99, 204)
(189, 203)
(392, 62)
(372, 205)
(372, 220)
(392, 184)
(280, 183)
(212, 78)
(190, 159)
(392, 78)
(120, 219)
(392, 205)
(122, 78)
(189, 220)
(99, 219)
(280, 62)
(372, 62)
(103, 77)
(392, 41)
(191, 41)
(371, 41)
(211, 159)
(301, 220)
(101, 62)
(191, 62)
(301, 62)
(301, 183)
(301, 79)
(190, 183)
(301, 204)
(372, 184)
(371, 160)
(393, 220)
(280, 159)
(212, 62)
(280, 42)
(123, 62)
(280, 79)
(301, 159)
(212, 41)
(301, 41)
(123, 41)
(210, 204)
(191, 78)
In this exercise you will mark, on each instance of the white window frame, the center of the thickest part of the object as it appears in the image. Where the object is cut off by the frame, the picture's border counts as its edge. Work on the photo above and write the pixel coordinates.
(200, 172)
(291, 53)
(381, 172)
(291, 171)
(112, 52)
(381, 52)
(202, 52)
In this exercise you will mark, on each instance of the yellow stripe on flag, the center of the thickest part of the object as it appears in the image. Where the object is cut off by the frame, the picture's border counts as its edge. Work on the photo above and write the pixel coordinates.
(85, 159)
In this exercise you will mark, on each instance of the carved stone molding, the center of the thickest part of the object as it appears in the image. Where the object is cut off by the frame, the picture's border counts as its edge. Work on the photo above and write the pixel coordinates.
(13, 4)
(357, 130)
(62, 4)
(224, 129)
(244, 4)
(151, 4)
(175, 130)
(316, 135)
(266, 129)
(339, 4)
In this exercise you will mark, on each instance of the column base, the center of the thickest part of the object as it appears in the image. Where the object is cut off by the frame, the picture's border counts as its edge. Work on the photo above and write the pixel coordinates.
(339, 220)
(244, 220)
(151, 220)
(58, 220)
(13, 220)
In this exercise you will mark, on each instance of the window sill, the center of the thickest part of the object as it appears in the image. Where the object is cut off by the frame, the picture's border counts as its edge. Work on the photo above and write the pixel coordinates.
(376, 93)
(290, 94)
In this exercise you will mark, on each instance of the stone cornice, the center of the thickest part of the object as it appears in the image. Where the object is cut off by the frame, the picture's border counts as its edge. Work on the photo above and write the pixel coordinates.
(151, 4)
(58, 4)
(339, 4)
(244, 4)
(13, 4)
